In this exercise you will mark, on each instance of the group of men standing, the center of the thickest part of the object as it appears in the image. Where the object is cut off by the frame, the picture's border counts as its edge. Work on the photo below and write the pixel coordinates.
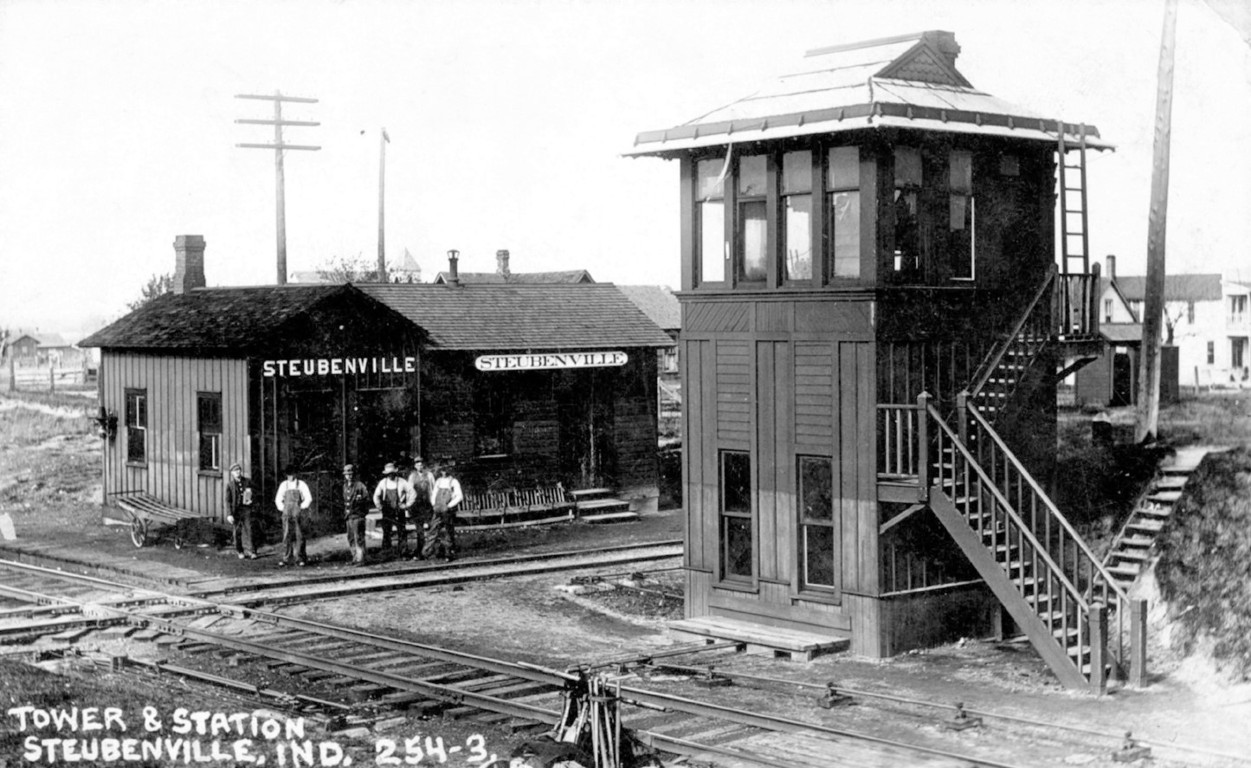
(428, 499)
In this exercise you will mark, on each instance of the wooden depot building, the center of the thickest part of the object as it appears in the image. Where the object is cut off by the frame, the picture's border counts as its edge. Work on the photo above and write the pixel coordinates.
(518, 385)
(875, 310)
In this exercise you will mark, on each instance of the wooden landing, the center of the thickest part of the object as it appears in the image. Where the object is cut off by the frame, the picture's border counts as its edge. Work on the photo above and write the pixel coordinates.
(759, 638)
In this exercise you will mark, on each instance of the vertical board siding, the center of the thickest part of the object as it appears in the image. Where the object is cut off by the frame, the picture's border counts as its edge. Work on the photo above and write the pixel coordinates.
(769, 529)
(172, 472)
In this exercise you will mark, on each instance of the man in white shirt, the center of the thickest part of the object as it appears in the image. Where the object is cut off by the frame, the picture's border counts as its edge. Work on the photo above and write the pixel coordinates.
(393, 497)
(291, 500)
(445, 497)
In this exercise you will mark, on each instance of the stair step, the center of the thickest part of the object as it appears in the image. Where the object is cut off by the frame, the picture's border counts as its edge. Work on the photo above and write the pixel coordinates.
(1155, 510)
(1123, 569)
(1144, 524)
(1138, 541)
(1164, 496)
(1135, 556)
(1171, 482)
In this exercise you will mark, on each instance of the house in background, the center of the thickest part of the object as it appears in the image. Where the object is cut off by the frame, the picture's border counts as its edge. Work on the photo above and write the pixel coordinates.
(1112, 378)
(1208, 318)
(504, 274)
(35, 347)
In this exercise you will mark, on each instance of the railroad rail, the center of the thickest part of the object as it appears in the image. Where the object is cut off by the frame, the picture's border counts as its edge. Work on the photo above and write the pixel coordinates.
(435, 680)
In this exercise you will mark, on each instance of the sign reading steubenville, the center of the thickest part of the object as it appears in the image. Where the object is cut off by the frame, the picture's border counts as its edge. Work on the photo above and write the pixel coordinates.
(550, 360)
(338, 366)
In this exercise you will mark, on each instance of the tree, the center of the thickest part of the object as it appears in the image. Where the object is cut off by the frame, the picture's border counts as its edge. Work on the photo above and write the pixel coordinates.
(348, 269)
(157, 285)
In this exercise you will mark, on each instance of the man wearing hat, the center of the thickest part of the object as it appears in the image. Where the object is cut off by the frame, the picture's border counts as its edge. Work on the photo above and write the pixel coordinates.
(422, 481)
(355, 506)
(239, 506)
(393, 496)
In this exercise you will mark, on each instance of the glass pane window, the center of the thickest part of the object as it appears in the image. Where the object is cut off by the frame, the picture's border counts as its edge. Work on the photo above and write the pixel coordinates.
(737, 544)
(136, 425)
(796, 172)
(844, 168)
(961, 220)
(797, 229)
(709, 195)
(843, 211)
(209, 421)
(751, 176)
(818, 525)
(752, 241)
(908, 180)
(844, 227)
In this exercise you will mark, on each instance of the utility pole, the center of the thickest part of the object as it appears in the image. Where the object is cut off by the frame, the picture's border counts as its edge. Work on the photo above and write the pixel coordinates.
(278, 146)
(382, 173)
(1153, 302)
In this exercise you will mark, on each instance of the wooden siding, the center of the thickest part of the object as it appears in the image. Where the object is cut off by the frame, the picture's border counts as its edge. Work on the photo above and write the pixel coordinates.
(171, 472)
(780, 393)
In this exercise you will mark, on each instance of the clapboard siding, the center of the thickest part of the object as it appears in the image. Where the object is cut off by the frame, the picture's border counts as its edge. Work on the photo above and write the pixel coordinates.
(734, 392)
(171, 472)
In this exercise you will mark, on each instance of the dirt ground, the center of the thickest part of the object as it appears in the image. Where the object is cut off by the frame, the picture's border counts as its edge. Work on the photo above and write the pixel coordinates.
(49, 488)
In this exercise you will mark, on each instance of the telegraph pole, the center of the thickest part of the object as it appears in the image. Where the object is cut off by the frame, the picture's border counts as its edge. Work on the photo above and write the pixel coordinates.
(1153, 304)
(382, 172)
(278, 146)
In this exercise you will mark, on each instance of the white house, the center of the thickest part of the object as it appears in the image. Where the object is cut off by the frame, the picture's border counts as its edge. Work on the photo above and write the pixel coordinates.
(1207, 316)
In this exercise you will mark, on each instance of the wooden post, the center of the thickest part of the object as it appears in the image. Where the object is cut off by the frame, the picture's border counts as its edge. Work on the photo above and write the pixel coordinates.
(962, 416)
(923, 447)
(1138, 643)
(280, 183)
(51, 379)
(1098, 643)
(1153, 304)
(382, 172)
(12, 374)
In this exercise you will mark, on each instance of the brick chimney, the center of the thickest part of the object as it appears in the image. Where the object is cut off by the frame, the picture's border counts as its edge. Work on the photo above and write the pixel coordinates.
(1110, 265)
(501, 262)
(945, 42)
(453, 274)
(188, 263)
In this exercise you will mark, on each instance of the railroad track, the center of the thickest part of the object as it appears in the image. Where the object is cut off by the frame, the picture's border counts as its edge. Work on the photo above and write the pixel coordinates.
(388, 673)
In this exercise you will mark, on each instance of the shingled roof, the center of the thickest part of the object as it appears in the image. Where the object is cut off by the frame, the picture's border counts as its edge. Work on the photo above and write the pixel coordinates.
(657, 302)
(909, 81)
(217, 318)
(533, 317)
(1197, 287)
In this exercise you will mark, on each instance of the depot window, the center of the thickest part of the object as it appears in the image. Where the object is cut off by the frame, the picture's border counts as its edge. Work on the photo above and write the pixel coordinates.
(907, 198)
(209, 422)
(737, 548)
(136, 426)
(843, 212)
(797, 217)
(962, 218)
(710, 220)
(819, 542)
(752, 240)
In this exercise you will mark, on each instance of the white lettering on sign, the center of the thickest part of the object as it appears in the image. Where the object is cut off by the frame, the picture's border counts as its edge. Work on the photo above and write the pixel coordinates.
(338, 366)
(549, 361)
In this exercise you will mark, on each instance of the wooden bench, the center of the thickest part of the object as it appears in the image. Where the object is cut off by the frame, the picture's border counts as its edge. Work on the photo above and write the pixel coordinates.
(152, 518)
(514, 507)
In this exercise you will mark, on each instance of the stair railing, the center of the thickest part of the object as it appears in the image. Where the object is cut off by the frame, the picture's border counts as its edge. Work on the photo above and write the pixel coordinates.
(1075, 304)
(1030, 333)
(981, 501)
(1022, 492)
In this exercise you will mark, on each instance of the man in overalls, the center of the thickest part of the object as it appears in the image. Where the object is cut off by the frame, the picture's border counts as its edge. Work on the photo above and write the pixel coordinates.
(393, 497)
(445, 497)
(292, 499)
(422, 481)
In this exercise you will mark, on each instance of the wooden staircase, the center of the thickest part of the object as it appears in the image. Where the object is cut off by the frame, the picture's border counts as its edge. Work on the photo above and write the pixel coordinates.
(1131, 550)
(1073, 610)
(599, 505)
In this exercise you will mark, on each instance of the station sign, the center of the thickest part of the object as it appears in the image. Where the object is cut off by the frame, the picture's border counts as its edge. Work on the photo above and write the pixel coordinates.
(550, 361)
(338, 366)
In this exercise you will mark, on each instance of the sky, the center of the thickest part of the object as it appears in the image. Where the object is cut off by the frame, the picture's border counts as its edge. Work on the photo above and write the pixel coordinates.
(508, 120)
